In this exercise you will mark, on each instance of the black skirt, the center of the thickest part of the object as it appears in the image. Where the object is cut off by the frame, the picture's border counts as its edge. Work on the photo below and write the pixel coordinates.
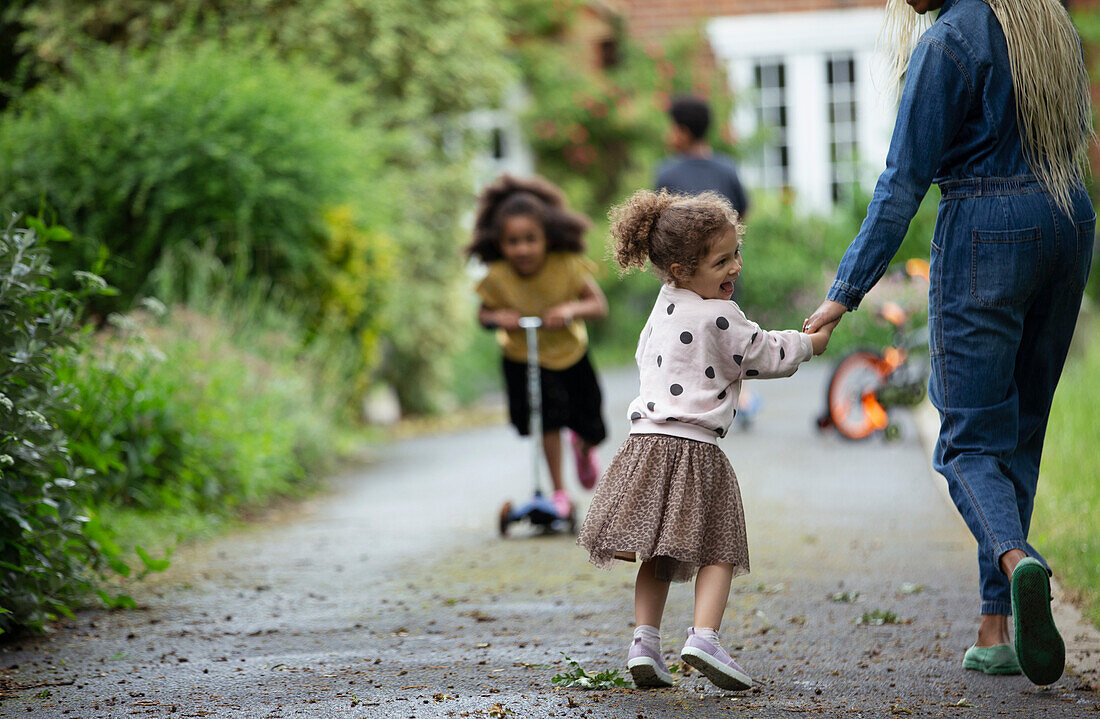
(570, 398)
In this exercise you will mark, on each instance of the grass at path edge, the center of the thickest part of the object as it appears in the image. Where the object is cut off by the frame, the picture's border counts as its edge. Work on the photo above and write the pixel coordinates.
(1065, 526)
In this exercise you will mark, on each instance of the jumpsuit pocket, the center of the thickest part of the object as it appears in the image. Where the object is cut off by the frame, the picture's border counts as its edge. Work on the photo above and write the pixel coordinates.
(1086, 237)
(1005, 266)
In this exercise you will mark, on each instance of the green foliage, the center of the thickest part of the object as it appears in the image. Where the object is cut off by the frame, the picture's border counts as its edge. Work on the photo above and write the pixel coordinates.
(45, 554)
(596, 134)
(413, 60)
(577, 677)
(1068, 501)
(13, 73)
(426, 323)
(843, 597)
(138, 154)
(878, 617)
(409, 70)
(191, 411)
(358, 283)
(787, 253)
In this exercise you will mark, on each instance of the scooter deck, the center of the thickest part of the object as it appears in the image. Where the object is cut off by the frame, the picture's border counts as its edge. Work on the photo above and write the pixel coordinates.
(539, 511)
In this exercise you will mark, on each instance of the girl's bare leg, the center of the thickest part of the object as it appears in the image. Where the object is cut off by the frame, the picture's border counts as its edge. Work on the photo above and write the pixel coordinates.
(551, 447)
(650, 594)
(712, 590)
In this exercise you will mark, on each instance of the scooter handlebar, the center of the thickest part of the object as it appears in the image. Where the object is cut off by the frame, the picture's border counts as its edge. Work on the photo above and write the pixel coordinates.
(528, 323)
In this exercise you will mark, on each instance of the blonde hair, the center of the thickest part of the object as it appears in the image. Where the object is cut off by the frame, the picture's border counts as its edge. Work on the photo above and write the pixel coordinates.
(666, 229)
(1049, 79)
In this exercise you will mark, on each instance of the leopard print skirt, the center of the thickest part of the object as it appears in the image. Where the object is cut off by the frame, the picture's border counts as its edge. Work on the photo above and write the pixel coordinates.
(668, 498)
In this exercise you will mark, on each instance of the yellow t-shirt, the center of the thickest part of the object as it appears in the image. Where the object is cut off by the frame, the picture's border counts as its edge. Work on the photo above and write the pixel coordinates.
(561, 278)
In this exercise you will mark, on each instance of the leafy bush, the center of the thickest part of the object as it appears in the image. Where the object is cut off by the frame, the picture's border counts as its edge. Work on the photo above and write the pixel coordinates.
(205, 411)
(138, 154)
(45, 554)
(409, 71)
(426, 323)
(416, 60)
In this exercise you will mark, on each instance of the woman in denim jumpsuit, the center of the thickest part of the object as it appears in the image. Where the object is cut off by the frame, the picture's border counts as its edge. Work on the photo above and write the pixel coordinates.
(1008, 267)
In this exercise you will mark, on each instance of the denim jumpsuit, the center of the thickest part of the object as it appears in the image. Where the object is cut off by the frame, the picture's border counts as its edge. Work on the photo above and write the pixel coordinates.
(1008, 269)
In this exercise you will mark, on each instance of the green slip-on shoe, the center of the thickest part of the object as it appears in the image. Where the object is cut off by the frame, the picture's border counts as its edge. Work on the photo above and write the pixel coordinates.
(998, 659)
(1039, 647)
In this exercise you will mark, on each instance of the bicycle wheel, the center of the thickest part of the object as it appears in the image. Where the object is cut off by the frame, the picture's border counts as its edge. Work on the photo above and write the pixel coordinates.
(855, 411)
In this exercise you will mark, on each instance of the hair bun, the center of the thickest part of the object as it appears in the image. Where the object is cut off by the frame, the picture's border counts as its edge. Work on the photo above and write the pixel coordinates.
(633, 223)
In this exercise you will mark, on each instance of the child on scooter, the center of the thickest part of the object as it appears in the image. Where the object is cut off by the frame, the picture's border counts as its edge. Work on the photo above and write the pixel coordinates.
(533, 246)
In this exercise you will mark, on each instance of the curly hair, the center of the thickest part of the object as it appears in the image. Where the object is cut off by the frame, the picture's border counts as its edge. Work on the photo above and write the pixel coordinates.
(667, 229)
(532, 196)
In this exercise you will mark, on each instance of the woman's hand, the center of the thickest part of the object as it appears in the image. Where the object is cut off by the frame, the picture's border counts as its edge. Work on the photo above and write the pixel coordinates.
(828, 312)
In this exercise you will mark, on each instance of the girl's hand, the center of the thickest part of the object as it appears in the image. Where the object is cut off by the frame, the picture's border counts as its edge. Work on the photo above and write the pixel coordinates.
(820, 339)
(826, 313)
(506, 319)
(559, 316)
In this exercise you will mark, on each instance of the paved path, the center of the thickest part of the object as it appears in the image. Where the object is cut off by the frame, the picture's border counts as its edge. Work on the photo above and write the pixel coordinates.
(391, 597)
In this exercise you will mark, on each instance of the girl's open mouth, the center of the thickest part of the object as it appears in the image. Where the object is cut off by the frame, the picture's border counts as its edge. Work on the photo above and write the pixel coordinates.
(727, 286)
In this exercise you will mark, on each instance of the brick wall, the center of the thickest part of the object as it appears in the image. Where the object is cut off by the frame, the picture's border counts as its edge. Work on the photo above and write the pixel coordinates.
(654, 18)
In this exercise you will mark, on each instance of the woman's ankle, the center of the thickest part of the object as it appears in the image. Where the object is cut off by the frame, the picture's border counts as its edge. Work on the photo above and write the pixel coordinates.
(993, 630)
(1010, 559)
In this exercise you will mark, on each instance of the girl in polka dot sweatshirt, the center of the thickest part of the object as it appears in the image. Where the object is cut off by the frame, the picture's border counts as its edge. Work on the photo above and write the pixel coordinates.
(670, 499)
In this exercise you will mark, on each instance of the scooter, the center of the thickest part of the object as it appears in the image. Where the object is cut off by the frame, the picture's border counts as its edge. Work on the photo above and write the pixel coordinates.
(539, 510)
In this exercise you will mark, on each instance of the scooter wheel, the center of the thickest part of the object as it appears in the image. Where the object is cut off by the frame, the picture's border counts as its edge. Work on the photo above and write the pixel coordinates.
(505, 518)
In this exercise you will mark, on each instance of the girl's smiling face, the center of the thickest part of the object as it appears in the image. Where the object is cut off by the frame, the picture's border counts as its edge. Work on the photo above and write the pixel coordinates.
(717, 270)
(523, 243)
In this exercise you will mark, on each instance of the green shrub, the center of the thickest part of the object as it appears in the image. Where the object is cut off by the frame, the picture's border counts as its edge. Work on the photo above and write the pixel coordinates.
(410, 70)
(45, 554)
(205, 411)
(426, 322)
(140, 153)
(418, 60)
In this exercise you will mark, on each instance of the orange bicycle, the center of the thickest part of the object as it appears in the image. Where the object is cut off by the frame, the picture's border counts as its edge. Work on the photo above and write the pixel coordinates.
(866, 383)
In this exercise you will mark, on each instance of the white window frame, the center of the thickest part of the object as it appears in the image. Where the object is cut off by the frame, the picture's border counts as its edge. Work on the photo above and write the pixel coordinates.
(804, 40)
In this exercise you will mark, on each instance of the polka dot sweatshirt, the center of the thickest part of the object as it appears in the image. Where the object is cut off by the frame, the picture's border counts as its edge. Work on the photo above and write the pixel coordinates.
(692, 356)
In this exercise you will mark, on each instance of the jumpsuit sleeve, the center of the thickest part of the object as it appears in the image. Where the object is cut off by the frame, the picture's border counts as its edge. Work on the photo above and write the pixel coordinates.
(934, 103)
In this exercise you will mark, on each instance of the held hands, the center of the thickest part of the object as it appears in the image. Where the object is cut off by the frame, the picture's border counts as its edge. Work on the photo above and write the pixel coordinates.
(820, 339)
(822, 322)
(828, 311)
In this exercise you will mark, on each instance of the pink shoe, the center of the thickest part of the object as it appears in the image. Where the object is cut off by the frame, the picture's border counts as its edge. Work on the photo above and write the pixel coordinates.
(562, 504)
(715, 664)
(588, 464)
